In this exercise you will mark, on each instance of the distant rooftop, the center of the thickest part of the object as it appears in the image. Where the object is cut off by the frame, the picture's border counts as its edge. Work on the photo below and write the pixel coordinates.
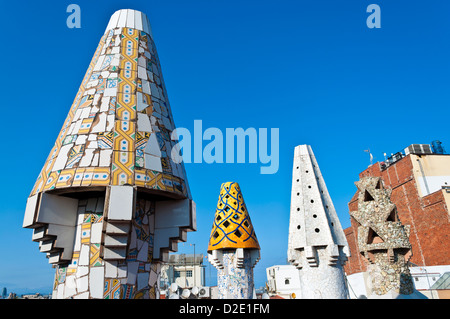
(185, 259)
(418, 149)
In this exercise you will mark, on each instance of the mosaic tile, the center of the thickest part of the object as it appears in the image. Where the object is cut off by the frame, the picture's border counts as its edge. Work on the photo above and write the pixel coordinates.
(87, 176)
(105, 140)
(140, 177)
(101, 177)
(154, 180)
(232, 226)
(99, 123)
(95, 260)
(78, 177)
(127, 291)
(69, 139)
(126, 106)
(85, 233)
(113, 289)
(51, 181)
(65, 178)
(75, 155)
(72, 268)
(105, 158)
(123, 168)
(127, 81)
(124, 136)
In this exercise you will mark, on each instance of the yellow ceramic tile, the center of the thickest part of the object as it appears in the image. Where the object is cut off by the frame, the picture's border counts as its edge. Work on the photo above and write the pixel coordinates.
(232, 226)
(101, 176)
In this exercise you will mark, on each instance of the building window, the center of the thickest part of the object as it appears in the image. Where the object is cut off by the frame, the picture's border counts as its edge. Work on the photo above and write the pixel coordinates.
(176, 274)
(189, 273)
(286, 281)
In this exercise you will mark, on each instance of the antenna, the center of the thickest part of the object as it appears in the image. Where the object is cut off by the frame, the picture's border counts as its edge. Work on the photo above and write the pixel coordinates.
(370, 154)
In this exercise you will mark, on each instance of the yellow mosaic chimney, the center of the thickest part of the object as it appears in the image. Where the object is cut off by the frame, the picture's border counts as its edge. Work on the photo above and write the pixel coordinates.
(233, 247)
(112, 194)
(232, 226)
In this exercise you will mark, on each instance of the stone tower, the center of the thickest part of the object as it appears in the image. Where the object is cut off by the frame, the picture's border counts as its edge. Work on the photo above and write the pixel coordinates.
(383, 241)
(317, 244)
(110, 202)
(233, 247)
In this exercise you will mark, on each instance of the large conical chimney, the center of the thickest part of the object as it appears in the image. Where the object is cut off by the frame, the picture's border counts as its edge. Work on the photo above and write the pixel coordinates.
(110, 198)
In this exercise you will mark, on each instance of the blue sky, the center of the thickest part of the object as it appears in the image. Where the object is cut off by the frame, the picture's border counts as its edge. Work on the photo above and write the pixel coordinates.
(310, 68)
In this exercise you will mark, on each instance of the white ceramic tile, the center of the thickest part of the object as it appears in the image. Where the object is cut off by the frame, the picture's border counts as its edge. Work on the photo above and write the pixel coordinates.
(84, 295)
(146, 87)
(142, 61)
(87, 158)
(122, 19)
(77, 114)
(115, 50)
(130, 19)
(99, 63)
(105, 158)
(30, 211)
(80, 212)
(96, 282)
(150, 76)
(122, 271)
(143, 123)
(116, 60)
(152, 146)
(92, 83)
(85, 113)
(82, 284)
(61, 160)
(142, 73)
(120, 203)
(94, 162)
(140, 104)
(77, 245)
(82, 270)
(113, 21)
(109, 122)
(84, 256)
(104, 107)
(132, 272)
(92, 144)
(143, 252)
(146, 24)
(81, 139)
(142, 280)
(69, 132)
(138, 20)
(96, 233)
(152, 162)
(104, 74)
(95, 101)
(60, 292)
(50, 211)
(110, 92)
(76, 127)
(101, 125)
(111, 269)
(154, 90)
(70, 287)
